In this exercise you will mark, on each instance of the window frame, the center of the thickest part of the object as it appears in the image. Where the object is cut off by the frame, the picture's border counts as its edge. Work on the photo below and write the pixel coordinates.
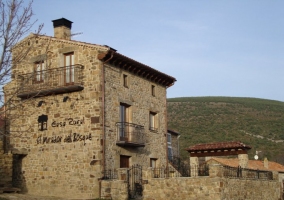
(124, 119)
(125, 80)
(169, 136)
(124, 115)
(124, 161)
(153, 125)
(39, 71)
(153, 160)
(69, 70)
(153, 90)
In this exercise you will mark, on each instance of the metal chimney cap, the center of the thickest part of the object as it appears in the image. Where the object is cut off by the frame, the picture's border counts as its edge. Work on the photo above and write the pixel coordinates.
(62, 22)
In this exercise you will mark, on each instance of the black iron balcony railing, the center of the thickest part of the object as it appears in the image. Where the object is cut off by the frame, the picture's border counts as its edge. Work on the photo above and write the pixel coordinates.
(52, 81)
(129, 134)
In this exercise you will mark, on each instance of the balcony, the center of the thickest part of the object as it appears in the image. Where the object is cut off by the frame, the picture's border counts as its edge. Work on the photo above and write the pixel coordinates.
(129, 134)
(53, 81)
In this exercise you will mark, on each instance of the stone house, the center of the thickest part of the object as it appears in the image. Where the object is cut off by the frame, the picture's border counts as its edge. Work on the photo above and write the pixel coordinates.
(79, 109)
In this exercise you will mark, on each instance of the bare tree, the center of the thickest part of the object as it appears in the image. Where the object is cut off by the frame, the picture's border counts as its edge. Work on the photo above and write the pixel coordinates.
(15, 23)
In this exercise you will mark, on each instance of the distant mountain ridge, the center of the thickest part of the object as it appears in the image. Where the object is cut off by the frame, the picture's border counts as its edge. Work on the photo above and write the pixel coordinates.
(258, 123)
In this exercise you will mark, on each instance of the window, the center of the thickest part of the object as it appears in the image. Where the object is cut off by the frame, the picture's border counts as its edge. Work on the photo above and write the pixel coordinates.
(69, 68)
(170, 153)
(125, 80)
(42, 122)
(152, 121)
(169, 138)
(124, 161)
(124, 116)
(153, 92)
(153, 162)
(124, 112)
(39, 70)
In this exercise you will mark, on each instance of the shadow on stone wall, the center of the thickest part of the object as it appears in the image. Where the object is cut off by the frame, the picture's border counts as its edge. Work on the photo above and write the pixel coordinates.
(18, 177)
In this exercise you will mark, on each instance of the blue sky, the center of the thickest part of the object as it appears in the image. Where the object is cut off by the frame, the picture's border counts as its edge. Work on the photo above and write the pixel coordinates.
(213, 48)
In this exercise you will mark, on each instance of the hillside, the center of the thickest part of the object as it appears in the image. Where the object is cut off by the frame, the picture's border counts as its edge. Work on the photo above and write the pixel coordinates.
(258, 123)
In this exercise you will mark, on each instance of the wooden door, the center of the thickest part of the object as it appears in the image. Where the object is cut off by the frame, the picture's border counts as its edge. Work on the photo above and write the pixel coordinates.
(124, 161)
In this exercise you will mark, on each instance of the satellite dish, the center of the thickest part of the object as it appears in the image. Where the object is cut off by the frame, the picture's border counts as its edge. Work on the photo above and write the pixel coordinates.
(256, 157)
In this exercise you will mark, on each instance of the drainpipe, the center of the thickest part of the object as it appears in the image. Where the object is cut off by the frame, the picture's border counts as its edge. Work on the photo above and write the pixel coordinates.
(103, 117)
(166, 118)
(103, 102)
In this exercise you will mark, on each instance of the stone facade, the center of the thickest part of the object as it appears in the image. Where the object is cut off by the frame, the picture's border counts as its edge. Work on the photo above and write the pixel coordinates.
(6, 161)
(141, 102)
(63, 128)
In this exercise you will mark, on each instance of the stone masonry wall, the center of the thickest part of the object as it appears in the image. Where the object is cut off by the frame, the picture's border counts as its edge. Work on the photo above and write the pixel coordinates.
(6, 161)
(201, 188)
(114, 189)
(141, 101)
(65, 159)
(212, 187)
(236, 189)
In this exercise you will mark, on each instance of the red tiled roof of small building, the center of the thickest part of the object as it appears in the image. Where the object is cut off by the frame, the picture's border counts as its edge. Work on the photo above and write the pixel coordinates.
(218, 145)
(252, 164)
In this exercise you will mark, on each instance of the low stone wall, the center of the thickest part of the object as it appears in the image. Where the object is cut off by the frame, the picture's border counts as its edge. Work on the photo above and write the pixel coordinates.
(211, 188)
(114, 189)
(183, 188)
(236, 189)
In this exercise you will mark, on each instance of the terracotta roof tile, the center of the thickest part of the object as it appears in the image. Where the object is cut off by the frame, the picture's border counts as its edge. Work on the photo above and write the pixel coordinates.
(252, 164)
(218, 145)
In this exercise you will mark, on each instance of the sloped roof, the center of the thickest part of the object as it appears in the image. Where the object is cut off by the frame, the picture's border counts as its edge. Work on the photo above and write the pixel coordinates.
(218, 149)
(218, 146)
(252, 164)
(173, 132)
(126, 63)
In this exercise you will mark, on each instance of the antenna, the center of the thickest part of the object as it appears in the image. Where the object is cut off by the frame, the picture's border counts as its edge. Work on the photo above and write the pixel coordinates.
(73, 34)
(256, 154)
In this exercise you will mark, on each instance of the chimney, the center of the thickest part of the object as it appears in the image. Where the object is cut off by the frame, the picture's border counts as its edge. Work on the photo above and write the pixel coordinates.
(62, 28)
(265, 163)
(243, 160)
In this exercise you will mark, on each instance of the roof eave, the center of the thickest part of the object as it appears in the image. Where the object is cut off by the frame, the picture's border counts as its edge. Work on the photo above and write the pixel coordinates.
(128, 64)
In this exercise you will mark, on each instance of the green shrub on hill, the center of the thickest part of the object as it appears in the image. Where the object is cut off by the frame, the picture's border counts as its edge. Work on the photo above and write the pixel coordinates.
(258, 123)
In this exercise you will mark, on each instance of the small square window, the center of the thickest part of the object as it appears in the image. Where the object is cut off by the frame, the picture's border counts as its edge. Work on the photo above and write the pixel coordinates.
(125, 80)
(153, 92)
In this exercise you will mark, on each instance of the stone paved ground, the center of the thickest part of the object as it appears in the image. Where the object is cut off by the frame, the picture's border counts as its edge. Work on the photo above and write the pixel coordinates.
(15, 196)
